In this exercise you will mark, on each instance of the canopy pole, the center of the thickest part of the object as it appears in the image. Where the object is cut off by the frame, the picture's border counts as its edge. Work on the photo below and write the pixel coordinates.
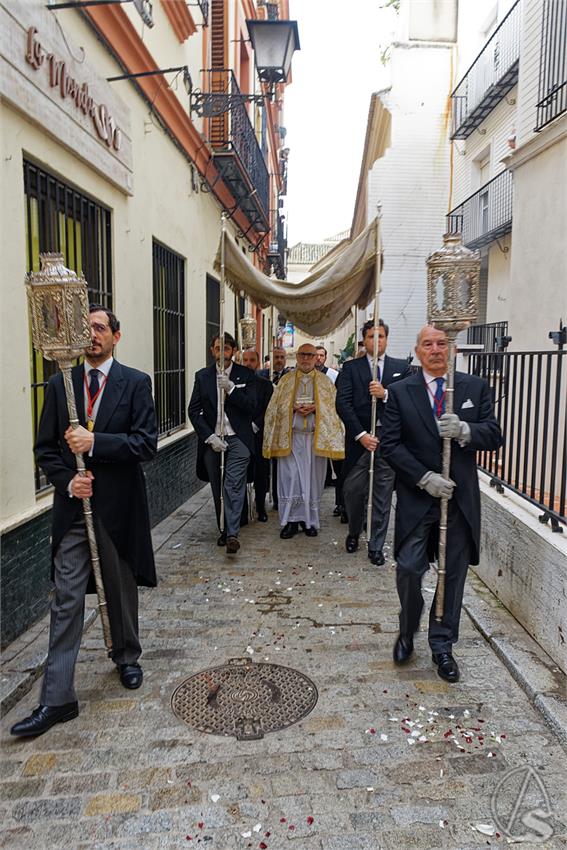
(220, 365)
(374, 377)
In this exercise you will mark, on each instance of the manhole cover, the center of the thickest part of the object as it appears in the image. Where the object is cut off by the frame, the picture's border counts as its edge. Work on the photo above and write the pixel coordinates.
(244, 700)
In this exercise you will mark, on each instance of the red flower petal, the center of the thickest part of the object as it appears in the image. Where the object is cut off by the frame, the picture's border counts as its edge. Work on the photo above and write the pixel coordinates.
(291, 826)
(282, 820)
(262, 845)
(201, 825)
(310, 820)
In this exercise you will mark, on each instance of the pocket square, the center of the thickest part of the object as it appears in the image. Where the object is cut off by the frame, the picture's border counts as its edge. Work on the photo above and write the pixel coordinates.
(396, 374)
(239, 386)
(467, 403)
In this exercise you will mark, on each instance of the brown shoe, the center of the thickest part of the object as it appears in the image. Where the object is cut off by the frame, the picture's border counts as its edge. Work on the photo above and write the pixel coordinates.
(232, 545)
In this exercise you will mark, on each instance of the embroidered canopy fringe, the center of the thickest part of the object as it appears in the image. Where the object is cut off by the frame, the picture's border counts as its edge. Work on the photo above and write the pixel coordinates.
(321, 302)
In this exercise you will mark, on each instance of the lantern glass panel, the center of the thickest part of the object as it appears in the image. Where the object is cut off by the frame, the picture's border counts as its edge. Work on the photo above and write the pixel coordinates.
(440, 293)
(274, 43)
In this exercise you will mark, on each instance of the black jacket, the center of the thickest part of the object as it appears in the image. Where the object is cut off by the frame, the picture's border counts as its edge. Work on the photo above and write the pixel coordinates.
(265, 373)
(125, 436)
(240, 406)
(411, 444)
(354, 402)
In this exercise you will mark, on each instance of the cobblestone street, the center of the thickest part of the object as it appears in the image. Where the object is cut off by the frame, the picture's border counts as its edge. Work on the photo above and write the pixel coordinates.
(389, 758)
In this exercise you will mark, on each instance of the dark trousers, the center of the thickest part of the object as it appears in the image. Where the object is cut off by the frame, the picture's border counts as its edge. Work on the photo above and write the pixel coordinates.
(236, 460)
(72, 571)
(355, 496)
(413, 563)
(261, 480)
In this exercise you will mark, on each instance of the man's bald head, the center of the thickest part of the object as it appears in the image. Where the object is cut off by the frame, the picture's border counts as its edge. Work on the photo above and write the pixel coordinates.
(306, 357)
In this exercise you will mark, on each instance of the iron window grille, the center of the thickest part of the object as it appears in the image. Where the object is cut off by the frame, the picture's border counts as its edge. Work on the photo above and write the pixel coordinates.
(490, 77)
(59, 218)
(169, 338)
(212, 314)
(552, 91)
(487, 335)
(486, 215)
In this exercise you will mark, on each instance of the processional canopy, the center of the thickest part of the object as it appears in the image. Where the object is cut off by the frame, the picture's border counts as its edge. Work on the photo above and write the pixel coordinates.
(59, 309)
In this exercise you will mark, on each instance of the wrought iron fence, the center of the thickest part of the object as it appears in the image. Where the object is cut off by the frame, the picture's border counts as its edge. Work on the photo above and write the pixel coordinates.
(489, 335)
(552, 91)
(485, 215)
(529, 390)
(490, 77)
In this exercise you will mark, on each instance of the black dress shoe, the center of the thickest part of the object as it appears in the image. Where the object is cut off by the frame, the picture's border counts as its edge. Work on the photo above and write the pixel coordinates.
(337, 510)
(232, 545)
(131, 675)
(289, 530)
(222, 539)
(351, 543)
(344, 518)
(262, 515)
(447, 667)
(403, 650)
(376, 558)
(311, 531)
(43, 718)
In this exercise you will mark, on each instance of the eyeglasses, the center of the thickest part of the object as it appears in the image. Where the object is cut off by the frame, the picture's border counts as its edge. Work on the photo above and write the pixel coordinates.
(100, 329)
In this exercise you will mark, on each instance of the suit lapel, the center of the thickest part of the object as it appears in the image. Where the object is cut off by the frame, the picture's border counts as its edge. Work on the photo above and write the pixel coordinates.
(78, 375)
(113, 390)
(420, 398)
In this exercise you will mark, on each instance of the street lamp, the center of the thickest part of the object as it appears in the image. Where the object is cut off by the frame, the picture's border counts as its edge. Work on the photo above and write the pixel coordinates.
(274, 43)
(453, 291)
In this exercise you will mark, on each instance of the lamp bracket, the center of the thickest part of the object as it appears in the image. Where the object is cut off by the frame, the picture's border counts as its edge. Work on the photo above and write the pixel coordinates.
(212, 104)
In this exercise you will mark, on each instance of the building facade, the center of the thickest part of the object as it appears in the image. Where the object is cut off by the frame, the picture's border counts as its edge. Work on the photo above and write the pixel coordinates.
(127, 178)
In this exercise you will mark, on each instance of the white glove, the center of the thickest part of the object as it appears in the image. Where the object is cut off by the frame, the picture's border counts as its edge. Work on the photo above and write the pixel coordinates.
(449, 425)
(436, 485)
(224, 383)
(217, 443)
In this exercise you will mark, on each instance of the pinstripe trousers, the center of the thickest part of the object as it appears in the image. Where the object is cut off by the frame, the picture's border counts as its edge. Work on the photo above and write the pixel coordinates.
(72, 571)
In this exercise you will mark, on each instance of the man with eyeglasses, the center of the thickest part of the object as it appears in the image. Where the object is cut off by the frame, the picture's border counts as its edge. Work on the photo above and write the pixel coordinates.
(302, 430)
(118, 432)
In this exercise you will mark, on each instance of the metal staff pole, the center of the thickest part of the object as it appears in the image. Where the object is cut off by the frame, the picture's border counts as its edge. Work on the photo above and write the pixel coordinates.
(445, 471)
(87, 510)
(271, 343)
(374, 376)
(59, 310)
(220, 366)
(453, 293)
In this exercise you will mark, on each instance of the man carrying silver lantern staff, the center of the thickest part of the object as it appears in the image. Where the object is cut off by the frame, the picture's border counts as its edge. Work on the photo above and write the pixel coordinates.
(355, 390)
(234, 436)
(413, 427)
(118, 431)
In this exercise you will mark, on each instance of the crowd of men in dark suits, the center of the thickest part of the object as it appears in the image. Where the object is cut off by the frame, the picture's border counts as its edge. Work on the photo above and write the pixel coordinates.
(118, 432)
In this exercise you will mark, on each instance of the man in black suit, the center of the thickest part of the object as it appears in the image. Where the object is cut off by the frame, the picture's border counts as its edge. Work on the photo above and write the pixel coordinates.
(115, 404)
(235, 436)
(279, 357)
(413, 426)
(264, 391)
(355, 390)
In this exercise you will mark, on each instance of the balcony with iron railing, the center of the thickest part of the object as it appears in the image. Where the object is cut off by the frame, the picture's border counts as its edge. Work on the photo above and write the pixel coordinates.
(489, 78)
(277, 253)
(236, 151)
(552, 90)
(486, 215)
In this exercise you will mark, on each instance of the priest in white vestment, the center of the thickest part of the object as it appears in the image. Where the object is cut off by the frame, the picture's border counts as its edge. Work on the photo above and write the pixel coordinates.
(302, 430)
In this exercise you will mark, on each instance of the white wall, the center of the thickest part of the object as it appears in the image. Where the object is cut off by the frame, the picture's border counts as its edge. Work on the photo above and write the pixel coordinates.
(411, 181)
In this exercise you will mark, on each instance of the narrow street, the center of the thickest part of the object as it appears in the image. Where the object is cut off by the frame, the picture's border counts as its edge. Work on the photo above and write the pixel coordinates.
(389, 758)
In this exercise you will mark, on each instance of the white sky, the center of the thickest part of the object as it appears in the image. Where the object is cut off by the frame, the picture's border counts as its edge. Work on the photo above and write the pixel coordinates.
(326, 108)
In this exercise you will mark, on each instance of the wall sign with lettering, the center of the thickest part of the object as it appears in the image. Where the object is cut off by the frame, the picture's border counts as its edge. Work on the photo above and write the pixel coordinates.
(69, 88)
